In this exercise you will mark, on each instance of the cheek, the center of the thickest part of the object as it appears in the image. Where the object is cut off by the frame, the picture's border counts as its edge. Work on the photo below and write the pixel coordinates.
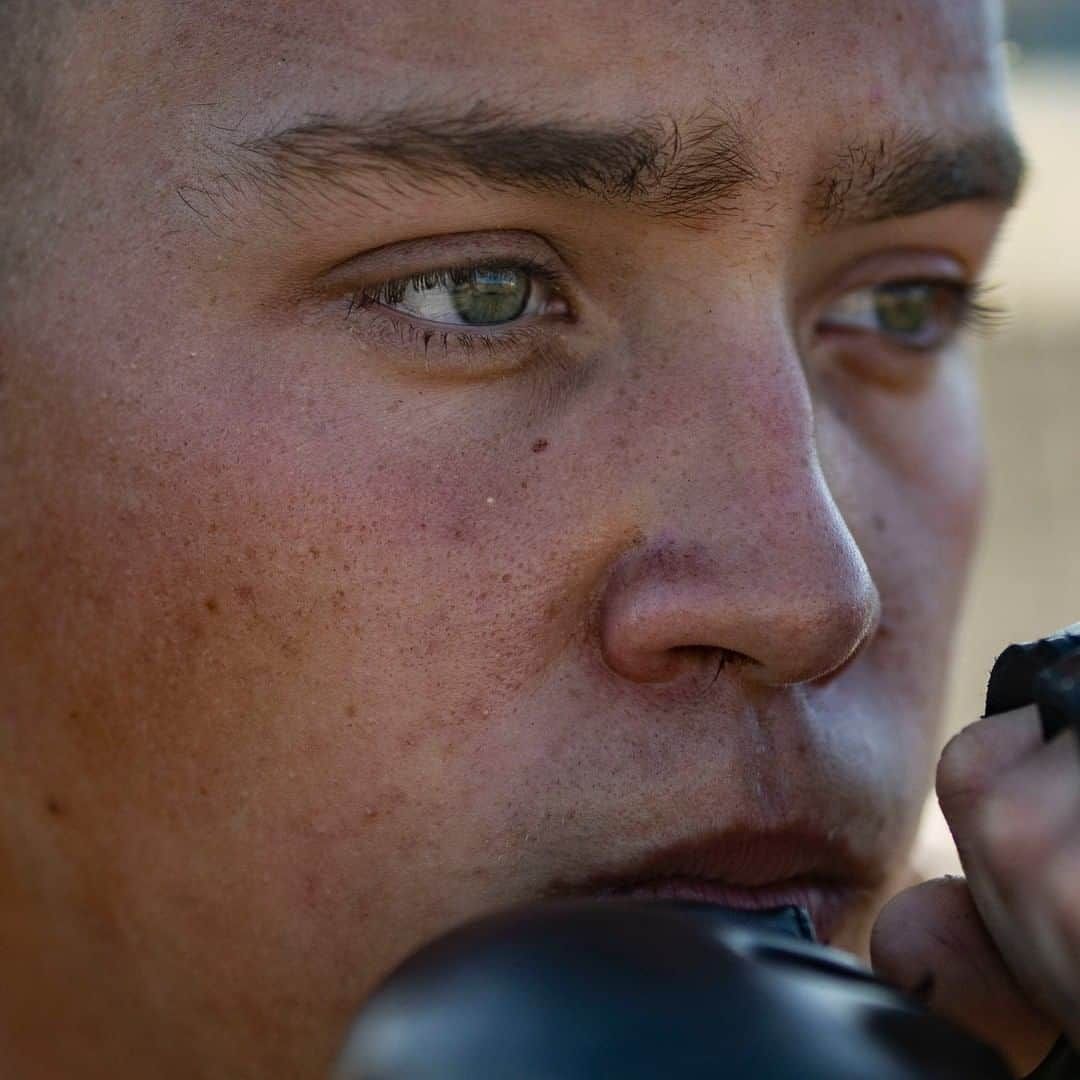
(938, 450)
(350, 599)
(908, 470)
(296, 635)
(908, 474)
(937, 468)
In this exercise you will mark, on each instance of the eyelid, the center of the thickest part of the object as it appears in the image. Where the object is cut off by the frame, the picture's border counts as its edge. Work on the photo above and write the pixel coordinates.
(408, 258)
(899, 264)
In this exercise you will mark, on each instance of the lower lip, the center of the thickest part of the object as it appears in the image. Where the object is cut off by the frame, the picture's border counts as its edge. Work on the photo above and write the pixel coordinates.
(827, 905)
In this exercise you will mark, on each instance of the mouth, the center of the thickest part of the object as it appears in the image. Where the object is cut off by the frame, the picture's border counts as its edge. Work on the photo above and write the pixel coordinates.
(748, 870)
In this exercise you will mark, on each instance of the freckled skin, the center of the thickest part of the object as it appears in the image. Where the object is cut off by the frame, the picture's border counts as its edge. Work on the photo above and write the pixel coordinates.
(303, 662)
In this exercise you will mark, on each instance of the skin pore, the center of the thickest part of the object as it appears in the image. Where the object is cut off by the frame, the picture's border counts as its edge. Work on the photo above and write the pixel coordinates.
(334, 619)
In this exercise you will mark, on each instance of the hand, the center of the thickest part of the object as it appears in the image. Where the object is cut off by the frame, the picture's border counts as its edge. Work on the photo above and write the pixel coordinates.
(999, 952)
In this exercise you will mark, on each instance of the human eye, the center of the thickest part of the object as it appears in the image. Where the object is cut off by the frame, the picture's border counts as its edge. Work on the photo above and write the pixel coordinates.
(480, 317)
(912, 314)
(471, 296)
(465, 306)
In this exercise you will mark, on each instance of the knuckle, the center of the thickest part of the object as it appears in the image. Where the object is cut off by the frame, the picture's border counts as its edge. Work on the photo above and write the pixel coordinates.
(963, 769)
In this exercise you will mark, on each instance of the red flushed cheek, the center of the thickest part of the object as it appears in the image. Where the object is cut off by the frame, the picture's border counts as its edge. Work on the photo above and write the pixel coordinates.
(392, 581)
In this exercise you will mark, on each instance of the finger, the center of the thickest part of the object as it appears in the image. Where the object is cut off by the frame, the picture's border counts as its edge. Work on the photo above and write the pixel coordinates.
(974, 758)
(931, 937)
(1063, 900)
(1018, 841)
(972, 767)
(1025, 875)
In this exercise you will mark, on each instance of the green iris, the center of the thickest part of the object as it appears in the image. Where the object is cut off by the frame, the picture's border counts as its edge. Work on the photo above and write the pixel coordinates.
(905, 308)
(486, 297)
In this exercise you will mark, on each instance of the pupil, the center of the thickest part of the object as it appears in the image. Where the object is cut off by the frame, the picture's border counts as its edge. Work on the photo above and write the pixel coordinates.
(491, 296)
(904, 309)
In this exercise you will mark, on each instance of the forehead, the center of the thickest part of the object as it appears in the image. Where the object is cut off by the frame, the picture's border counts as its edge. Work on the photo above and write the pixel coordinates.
(918, 62)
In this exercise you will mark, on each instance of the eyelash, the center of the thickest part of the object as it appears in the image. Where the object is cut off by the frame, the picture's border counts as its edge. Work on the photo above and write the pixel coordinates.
(976, 312)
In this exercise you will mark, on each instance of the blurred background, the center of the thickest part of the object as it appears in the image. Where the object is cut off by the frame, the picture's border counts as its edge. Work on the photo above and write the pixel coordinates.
(1027, 577)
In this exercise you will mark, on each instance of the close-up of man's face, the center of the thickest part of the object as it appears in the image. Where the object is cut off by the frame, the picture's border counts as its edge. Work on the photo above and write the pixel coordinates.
(456, 456)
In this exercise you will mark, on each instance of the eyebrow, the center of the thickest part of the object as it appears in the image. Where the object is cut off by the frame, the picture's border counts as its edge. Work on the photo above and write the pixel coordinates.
(691, 170)
(903, 175)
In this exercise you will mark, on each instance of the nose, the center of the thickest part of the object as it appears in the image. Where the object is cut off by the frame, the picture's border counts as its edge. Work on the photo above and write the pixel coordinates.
(751, 562)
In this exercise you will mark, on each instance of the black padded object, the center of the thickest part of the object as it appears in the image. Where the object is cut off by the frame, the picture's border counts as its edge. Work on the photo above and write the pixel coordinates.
(630, 989)
(1013, 679)
(1057, 693)
(1044, 673)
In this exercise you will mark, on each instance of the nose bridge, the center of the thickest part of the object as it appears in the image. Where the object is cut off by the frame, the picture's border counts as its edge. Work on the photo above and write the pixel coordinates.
(739, 430)
(726, 364)
(748, 552)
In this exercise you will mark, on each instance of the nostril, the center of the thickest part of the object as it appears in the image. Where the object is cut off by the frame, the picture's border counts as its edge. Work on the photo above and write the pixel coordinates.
(696, 653)
(710, 657)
